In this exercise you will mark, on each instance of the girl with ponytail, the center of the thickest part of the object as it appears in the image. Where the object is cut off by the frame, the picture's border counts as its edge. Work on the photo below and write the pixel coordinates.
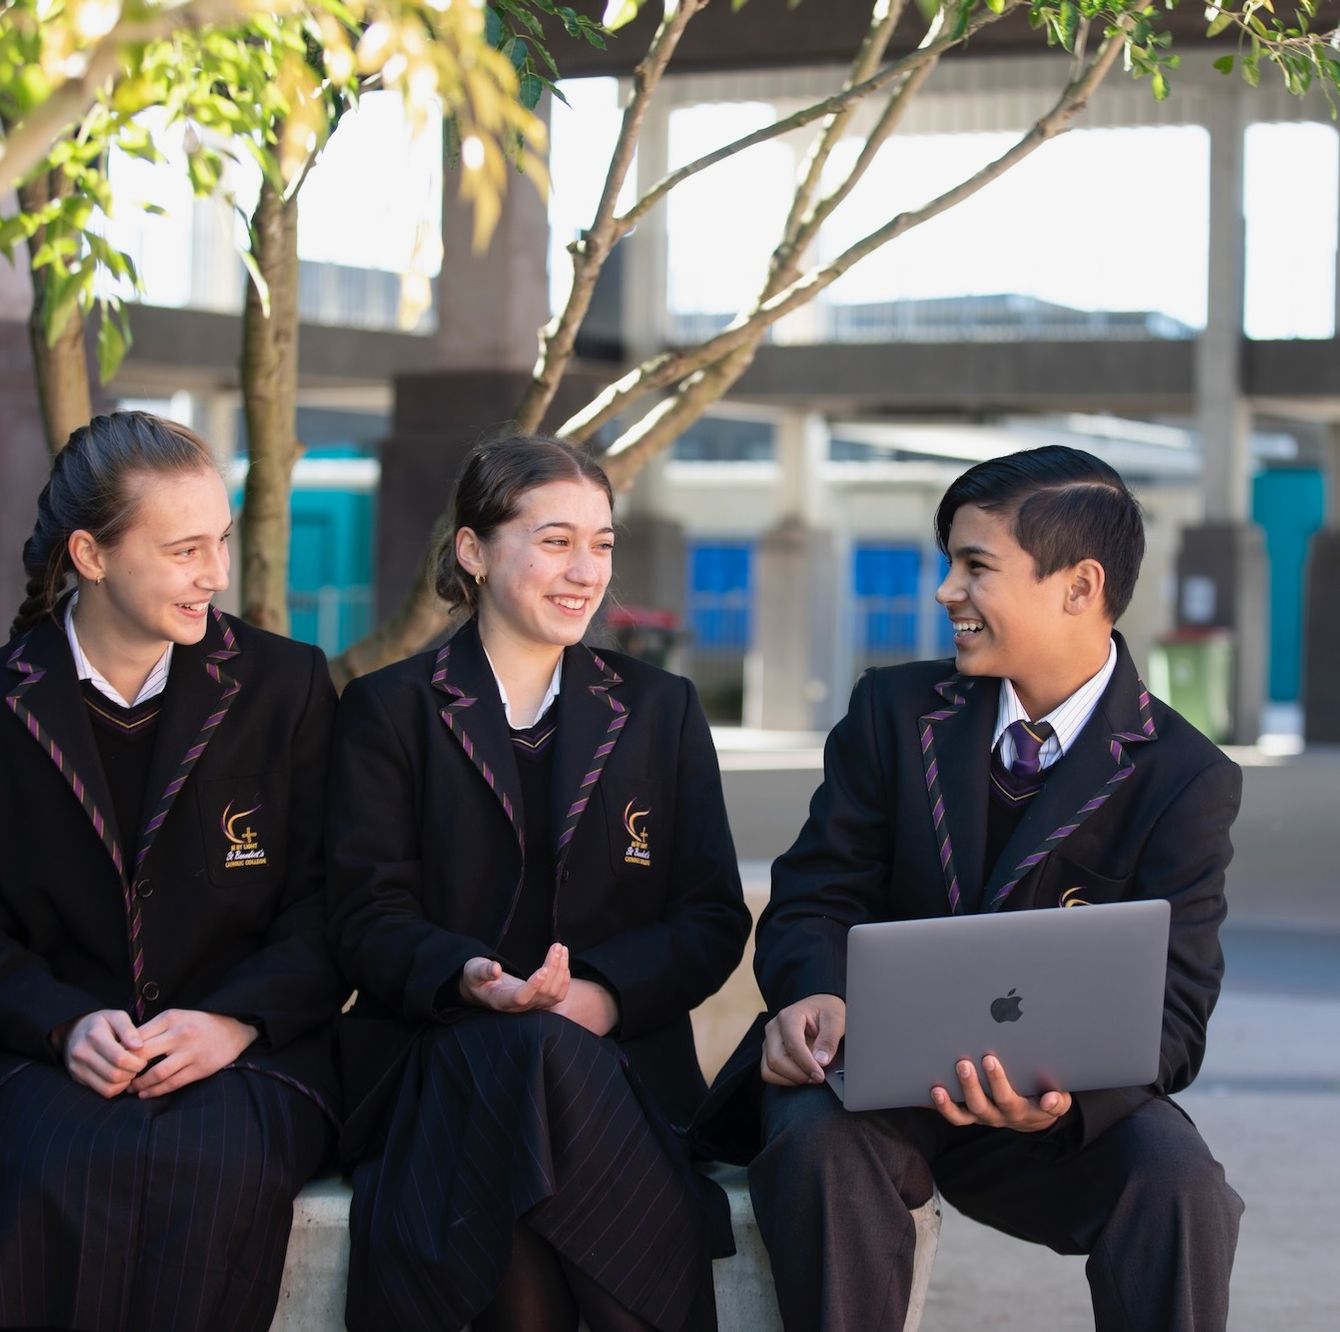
(166, 1084)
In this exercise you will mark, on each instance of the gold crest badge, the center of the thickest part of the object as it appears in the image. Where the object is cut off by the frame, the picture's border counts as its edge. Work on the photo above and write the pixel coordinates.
(637, 852)
(244, 847)
(1069, 898)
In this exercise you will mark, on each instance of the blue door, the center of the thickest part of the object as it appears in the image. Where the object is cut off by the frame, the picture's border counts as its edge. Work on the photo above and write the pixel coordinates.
(1290, 505)
(893, 597)
(719, 608)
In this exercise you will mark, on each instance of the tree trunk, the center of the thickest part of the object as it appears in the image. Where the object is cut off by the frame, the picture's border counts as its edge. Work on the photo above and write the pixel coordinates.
(270, 398)
(60, 368)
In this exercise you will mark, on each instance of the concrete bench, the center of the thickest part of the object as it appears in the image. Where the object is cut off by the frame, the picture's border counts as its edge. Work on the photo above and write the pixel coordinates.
(312, 1296)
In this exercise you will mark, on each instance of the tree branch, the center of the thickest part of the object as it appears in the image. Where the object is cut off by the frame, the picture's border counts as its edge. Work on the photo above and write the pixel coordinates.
(885, 128)
(897, 69)
(884, 18)
(671, 417)
(668, 367)
(559, 338)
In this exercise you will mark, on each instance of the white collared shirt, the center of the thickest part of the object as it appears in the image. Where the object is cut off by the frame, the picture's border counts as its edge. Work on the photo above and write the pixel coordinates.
(1067, 719)
(555, 682)
(85, 669)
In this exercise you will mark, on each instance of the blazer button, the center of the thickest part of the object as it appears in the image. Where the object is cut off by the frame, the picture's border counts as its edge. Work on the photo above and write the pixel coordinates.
(144, 889)
(565, 876)
(149, 990)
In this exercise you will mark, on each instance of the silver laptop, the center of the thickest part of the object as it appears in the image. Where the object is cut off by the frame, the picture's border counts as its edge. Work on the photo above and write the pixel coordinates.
(1069, 999)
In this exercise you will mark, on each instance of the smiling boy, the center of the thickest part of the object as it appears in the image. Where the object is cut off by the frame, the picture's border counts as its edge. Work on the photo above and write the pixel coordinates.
(1033, 772)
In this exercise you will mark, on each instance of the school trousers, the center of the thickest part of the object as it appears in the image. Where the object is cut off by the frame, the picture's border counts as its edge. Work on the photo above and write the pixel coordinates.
(833, 1192)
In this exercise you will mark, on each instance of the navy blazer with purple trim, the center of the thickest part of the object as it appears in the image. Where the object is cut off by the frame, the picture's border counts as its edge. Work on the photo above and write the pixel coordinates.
(216, 903)
(1140, 806)
(426, 849)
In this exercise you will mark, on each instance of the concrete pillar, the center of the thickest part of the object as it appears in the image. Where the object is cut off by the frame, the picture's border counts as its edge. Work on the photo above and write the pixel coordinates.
(491, 304)
(1221, 568)
(798, 673)
(1321, 637)
(790, 676)
(645, 251)
(1222, 414)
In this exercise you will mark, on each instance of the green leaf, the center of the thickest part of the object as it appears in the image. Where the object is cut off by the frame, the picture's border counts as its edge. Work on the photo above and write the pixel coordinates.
(113, 344)
(12, 231)
(530, 90)
(1218, 24)
(996, 6)
(1067, 23)
(58, 247)
(63, 297)
(1160, 86)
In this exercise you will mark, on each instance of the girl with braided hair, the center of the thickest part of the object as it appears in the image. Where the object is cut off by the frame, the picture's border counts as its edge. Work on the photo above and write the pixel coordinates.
(166, 1084)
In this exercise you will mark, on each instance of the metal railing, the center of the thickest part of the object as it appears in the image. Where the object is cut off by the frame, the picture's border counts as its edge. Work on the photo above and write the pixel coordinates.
(1001, 318)
(330, 617)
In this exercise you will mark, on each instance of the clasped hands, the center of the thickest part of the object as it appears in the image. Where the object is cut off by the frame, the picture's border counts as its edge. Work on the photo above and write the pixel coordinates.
(800, 1042)
(108, 1053)
(550, 987)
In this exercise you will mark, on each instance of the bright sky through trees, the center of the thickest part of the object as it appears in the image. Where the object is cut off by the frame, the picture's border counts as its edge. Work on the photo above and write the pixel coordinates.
(1104, 219)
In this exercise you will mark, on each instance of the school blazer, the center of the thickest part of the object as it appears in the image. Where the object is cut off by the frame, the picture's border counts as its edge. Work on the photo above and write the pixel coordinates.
(216, 903)
(426, 856)
(1139, 807)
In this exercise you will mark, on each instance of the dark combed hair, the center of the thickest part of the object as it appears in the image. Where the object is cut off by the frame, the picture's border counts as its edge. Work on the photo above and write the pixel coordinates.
(90, 489)
(1064, 506)
(496, 474)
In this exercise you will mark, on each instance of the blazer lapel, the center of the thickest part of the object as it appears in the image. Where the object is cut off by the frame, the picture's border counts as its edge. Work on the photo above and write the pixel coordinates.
(591, 717)
(957, 790)
(199, 693)
(44, 695)
(472, 711)
(1082, 781)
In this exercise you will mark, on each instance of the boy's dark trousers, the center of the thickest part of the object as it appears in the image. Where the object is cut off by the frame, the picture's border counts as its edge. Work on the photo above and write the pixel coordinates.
(833, 1192)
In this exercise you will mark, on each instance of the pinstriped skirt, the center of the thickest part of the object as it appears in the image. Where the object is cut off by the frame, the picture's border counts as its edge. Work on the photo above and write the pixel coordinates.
(170, 1215)
(501, 1117)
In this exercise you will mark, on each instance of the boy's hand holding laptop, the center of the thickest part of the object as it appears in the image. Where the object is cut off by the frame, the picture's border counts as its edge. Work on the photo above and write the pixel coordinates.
(800, 1042)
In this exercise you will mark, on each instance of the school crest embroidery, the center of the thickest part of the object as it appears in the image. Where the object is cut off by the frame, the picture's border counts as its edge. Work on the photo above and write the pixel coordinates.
(1070, 897)
(638, 851)
(245, 850)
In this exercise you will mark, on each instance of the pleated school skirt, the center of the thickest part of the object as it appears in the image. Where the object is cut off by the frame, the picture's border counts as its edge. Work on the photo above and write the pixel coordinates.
(166, 1215)
(506, 1117)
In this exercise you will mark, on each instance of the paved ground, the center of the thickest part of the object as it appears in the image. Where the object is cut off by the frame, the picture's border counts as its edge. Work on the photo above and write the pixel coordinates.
(1267, 1100)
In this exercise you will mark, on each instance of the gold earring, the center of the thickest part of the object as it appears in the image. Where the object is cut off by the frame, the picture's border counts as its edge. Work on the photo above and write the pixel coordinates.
(98, 581)
(481, 579)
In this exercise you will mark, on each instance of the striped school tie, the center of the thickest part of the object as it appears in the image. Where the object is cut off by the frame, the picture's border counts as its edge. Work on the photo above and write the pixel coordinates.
(1028, 737)
(1023, 778)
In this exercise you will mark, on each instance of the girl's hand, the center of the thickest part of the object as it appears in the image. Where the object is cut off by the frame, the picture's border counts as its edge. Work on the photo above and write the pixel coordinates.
(484, 982)
(590, 1005)
(189, 1045)
(103, 1051)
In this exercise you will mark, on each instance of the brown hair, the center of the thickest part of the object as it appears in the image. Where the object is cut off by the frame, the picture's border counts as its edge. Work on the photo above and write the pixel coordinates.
(496, 475)
(89, 489)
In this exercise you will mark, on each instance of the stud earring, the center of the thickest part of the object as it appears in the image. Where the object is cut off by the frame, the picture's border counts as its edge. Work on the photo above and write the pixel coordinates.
(98, 581)
(480, 579)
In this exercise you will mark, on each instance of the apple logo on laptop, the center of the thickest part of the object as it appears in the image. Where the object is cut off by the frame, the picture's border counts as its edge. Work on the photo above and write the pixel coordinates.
(1006, 1008)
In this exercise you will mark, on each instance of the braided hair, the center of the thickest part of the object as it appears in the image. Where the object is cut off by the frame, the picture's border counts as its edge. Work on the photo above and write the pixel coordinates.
(89, 489)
